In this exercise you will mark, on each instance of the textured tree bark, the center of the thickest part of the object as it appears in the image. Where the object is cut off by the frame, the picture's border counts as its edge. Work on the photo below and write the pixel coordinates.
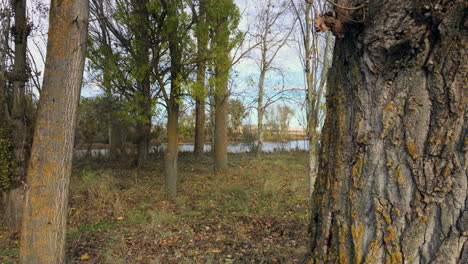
(45, 207)
(392, 182)
(200, 94)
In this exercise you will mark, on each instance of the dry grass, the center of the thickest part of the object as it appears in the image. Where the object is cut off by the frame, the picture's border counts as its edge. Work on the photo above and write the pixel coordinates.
(255, 212)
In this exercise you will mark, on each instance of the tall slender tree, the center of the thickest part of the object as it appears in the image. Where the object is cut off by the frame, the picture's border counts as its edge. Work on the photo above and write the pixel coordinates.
(124, 46)
(315, 52)
(21, 114)
(173, 99)
(225, 16)
(6, 146)
(200, 93)
(392, 185)
(272, 31)
(45, 208)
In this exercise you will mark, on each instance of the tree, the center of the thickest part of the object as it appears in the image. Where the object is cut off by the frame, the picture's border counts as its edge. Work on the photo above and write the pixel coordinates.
(271, 32)
(125, 46)
(174, 26)
(202, 34)
(225, 16)
(237, 113)
(20, 32)
(6, 145)
(278, 120)
(92, 119)
(45, 208)
(392, 184)
(315, 55)
(17, 111)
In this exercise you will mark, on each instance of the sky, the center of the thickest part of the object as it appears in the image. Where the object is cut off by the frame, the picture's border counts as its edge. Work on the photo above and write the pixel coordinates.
(246, 71)
(288, 61)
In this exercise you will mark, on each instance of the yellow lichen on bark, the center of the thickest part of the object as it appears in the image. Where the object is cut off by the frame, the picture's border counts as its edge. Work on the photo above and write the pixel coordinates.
(357, 232)
(412, 149)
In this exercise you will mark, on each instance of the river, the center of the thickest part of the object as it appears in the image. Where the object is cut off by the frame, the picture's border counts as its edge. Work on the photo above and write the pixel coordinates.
(235, 147)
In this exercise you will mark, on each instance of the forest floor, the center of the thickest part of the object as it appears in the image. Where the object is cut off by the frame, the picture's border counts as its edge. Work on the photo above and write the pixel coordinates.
(254, 212)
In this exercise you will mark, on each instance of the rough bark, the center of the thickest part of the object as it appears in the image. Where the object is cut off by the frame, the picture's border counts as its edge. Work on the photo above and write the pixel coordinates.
(200, 94)
(392, 182)
(45, 207)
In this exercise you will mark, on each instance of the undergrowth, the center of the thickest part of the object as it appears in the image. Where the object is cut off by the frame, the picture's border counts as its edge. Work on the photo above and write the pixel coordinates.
(254, 212)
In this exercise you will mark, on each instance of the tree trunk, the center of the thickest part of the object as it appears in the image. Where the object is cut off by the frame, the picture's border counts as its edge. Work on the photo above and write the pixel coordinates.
(115, 139)
(4, 39)
(260, 109)
(20, 116)
(45, 207)
(222, 67)
(143, 138)
(172, 150)
(173, 104)
(199, 128)
(392, 183)
(20, 33)
(220, 135)
(6, 153)
(200, 93)
(143, 95)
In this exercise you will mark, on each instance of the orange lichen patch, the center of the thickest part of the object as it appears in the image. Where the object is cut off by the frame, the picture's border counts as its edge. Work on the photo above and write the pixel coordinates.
(397, 257)
(342, 252)
(387, 218)
(374, 246)
(394, 255)
(357, 231)
(390, 235)
(412, 149)
(389, 107)
(446, 171)
(357, 172)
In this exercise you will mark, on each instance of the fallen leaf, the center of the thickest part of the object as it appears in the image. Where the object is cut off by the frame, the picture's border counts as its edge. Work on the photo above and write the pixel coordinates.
(85, 257)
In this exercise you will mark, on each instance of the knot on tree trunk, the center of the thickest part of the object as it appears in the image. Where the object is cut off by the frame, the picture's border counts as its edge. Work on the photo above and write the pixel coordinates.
(334, 20)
